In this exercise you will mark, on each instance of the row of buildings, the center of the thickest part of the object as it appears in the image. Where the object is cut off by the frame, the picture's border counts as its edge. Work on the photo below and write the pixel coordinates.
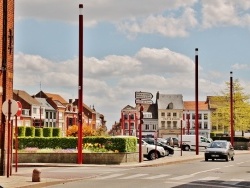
(51, 110)
(168, 116)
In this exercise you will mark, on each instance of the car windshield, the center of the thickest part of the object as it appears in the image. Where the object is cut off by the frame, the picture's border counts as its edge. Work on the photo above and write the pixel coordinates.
(218, 145)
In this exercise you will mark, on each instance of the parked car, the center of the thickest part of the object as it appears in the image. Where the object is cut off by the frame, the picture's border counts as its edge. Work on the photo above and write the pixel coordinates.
(168, 149)
(219, 149)
(174, 142)
(149, 151)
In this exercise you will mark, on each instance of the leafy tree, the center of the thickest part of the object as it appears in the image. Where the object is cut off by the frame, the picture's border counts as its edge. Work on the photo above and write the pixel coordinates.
(86, 130)
(220, 117)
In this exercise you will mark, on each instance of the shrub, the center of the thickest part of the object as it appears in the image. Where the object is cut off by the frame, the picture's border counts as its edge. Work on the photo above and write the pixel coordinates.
(38, 132)
(47, 132)
(30, 132)
(21, 131)
(56, 132)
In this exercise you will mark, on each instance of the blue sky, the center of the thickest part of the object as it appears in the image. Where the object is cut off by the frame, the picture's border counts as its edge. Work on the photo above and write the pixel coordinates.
(143, 45)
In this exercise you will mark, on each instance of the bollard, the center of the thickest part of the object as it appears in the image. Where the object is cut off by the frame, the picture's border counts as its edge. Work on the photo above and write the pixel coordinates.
(36, 175)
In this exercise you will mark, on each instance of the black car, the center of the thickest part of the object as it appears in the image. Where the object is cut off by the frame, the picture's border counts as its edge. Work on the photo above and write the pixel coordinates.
(168, 149)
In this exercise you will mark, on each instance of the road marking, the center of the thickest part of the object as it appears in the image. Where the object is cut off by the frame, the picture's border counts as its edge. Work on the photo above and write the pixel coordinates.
(109, 176)
(133, 176)
(156, 176)
(204, 171)
(240, 163)
(181, 177)
(208, 178)
(228, 166)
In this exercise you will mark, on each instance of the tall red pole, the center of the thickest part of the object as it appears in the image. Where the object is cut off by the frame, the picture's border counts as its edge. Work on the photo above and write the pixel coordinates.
(196, 103)
(80, 87)
(231, 108)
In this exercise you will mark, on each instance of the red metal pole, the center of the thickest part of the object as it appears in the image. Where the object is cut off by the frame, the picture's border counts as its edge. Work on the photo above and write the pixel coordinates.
(196, 102)
(181, 138)
(80, 86)
(231, 108)
(8, 142)
(16, 143)
(129, 127)
(122, 123)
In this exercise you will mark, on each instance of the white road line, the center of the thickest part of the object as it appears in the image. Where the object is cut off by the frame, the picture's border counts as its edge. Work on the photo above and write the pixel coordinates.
(228, 166)
(109, 176)
(233, 181)
(204, 171)
(181, 177)
(156, 176)
(208, 178)
(133, 176)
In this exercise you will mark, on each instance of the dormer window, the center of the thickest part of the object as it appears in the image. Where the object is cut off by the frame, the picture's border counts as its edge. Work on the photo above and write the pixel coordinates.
(170, 106)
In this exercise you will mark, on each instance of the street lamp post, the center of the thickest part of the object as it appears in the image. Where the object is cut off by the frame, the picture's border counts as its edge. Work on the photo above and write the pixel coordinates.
(196, 102)
(231, 108)
(80, 86)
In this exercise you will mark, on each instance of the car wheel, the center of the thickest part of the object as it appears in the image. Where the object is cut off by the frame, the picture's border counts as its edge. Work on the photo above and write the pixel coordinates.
(153, 155)
(212, 159)
(232, 158)
(166, 152)
(186, 148)
(206, 159)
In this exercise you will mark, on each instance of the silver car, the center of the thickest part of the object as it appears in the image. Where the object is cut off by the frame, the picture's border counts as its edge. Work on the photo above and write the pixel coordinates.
(219, 149)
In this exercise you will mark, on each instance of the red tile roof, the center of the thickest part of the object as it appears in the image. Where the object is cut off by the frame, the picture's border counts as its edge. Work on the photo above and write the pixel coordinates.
(190, 105)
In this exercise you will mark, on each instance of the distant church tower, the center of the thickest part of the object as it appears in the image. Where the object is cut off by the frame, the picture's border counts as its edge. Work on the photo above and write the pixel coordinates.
(6, 73)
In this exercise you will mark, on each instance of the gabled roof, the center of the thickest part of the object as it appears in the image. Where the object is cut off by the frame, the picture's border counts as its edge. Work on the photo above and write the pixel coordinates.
(56, 97)
(45, 104)
(128, 107)
(168, 100)
(26, 97)
(190, 105)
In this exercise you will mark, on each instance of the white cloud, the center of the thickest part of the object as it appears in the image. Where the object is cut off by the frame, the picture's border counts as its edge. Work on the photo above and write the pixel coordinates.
(238, 66)
(225, 13)
(170, 26)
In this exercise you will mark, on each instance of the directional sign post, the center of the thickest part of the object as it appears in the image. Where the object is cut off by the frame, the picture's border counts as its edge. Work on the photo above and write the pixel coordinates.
(143, 97)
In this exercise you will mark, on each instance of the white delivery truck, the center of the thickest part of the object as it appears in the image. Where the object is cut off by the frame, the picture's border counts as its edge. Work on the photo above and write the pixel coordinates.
(189, 142)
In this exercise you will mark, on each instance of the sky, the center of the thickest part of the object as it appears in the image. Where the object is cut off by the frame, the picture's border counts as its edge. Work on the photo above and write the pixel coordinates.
(129, 46)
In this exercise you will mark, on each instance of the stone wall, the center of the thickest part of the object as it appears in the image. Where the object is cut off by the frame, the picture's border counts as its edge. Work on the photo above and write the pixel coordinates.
(88, 158)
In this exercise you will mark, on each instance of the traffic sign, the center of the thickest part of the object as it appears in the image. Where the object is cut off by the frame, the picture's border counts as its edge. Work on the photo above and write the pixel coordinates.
(19, 111)
(143, 95)
(137, 101)
(13, 107)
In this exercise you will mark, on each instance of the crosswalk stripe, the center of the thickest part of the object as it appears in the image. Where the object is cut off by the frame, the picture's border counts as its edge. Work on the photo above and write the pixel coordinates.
(208, 178)
(109, 176)
(156, 176)
(133, 176)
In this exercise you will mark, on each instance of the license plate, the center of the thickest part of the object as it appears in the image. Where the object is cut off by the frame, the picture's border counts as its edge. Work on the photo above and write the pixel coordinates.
(215, 155)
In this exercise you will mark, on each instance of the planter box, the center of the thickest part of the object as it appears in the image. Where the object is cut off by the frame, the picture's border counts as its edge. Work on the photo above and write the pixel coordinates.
(88, 158)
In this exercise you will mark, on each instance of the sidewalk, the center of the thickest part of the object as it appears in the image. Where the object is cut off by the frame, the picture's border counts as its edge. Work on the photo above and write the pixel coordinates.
(23, 178)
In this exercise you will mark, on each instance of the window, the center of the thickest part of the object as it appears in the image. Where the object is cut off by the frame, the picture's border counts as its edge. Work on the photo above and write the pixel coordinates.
(205, 125)
(169, 124)
(163, 114)
(132, 125)
(25, 112)
(126, 125)
(193, 115)
(205, 116)
(34, 110)
(199, 125)
(147, 127)
(174, 114)
(163, 124)
(170, 106)
(126, 116)
(132, 116)
(168, 114)
(154, 127)
(47, 115)
(199, 116)
(175, 124)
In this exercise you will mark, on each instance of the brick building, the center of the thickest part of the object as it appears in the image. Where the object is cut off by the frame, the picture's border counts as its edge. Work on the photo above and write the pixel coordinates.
(6, 73)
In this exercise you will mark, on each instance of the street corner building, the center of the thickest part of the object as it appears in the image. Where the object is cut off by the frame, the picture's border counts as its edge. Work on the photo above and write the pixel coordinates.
(6, 73)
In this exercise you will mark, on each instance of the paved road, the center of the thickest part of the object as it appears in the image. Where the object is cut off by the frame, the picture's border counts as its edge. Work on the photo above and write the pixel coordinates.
(192, 174)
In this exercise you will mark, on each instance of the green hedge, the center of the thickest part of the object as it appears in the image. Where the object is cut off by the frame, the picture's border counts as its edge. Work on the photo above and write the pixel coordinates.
(122, 144)
(47, 132)
(39, 132)
(30, 132)
(56, 132)
(21, 131)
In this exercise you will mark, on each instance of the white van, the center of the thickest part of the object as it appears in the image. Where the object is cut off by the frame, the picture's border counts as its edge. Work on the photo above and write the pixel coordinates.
(189, 142)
